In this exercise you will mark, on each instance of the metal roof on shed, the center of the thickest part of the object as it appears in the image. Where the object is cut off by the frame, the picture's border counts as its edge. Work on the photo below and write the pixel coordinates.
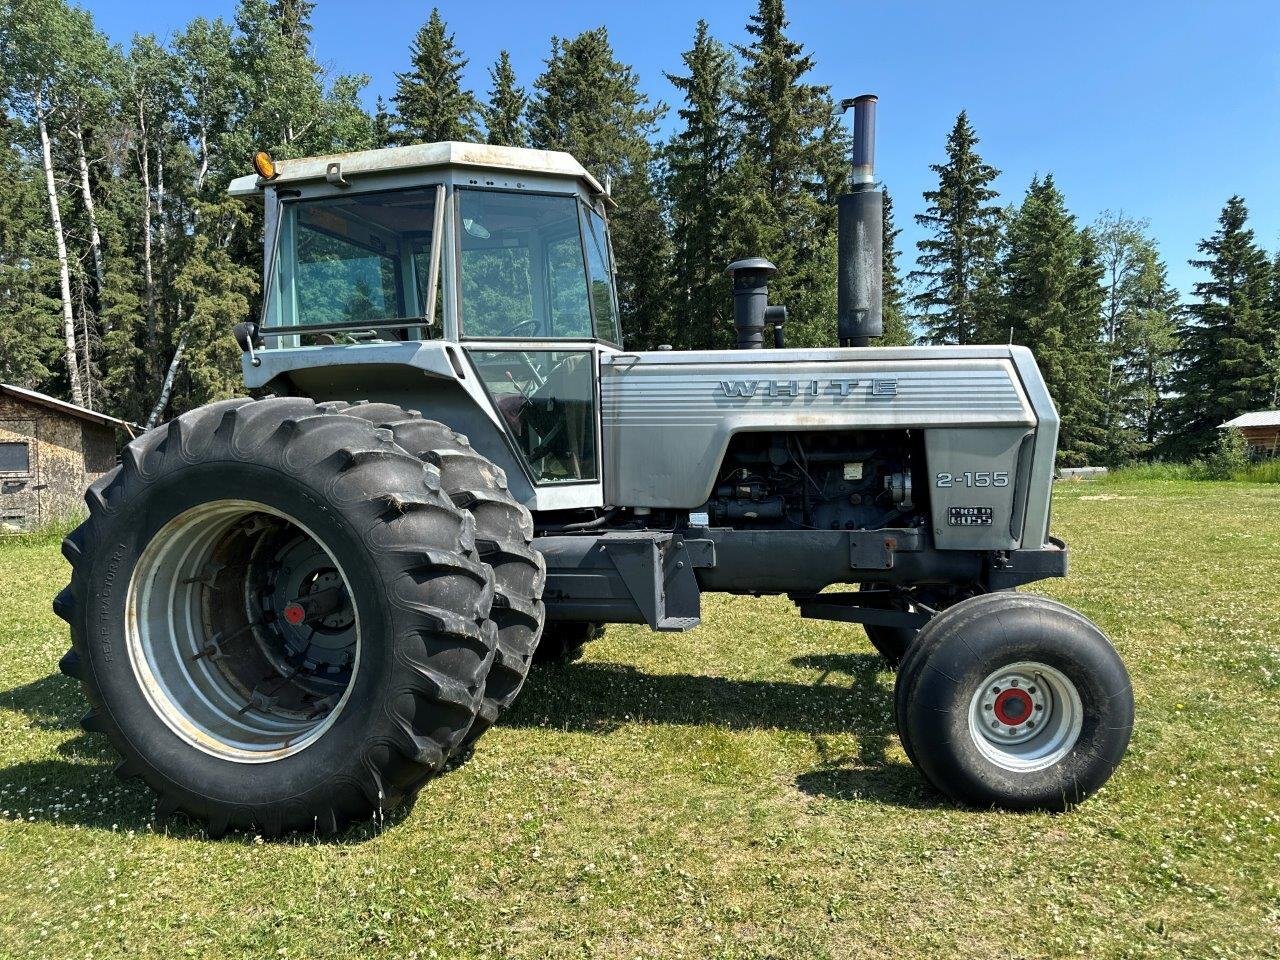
(447, 153)
(1259, 418)
(61, 406)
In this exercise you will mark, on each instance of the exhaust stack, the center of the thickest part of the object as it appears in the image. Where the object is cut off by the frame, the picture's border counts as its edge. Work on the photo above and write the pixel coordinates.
(860, 253)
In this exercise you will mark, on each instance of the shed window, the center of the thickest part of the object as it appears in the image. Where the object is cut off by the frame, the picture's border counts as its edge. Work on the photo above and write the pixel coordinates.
(15, 457)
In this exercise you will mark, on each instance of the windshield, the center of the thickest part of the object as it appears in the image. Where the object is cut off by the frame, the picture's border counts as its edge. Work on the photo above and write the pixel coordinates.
(523, 270)
(359, 259)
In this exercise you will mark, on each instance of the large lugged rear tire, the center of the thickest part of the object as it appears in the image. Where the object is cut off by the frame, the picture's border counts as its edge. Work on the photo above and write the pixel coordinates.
(504, 534)
(278, 617)
(1014, 701)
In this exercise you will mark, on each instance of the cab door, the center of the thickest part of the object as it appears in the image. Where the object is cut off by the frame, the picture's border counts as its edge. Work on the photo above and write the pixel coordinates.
(534, 290)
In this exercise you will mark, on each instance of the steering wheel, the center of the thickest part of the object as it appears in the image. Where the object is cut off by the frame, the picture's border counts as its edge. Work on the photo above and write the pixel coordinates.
(516, 329)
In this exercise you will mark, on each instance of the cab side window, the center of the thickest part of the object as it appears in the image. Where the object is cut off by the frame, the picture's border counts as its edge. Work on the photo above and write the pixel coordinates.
(522, 269)
(547, 402)
(600, 267)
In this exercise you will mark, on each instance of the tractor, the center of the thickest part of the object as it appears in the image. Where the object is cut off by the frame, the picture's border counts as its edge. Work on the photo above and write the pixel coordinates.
(289, 612)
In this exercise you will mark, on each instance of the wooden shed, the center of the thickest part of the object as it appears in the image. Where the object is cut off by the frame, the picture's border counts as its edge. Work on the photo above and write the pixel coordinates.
(50, 450)
(1261, 430)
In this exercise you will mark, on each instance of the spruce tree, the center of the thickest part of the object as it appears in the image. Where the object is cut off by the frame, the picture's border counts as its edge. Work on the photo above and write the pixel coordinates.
(698, 161)
(956, 260)
(504, 114)
(293, 19)
(126, 376)
(431, 104)
(1228, 337)
(382, 120)
(1273, 310)
(589, 104)
(218, 293)
(897, 327)
(1051, 298)
(794, 161)
(29, 312)
(642, 243)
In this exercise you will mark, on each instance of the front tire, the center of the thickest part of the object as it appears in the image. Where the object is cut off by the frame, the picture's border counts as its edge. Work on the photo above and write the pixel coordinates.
(278, 617)
(563, 641)
(1016, 702)
(890, 642)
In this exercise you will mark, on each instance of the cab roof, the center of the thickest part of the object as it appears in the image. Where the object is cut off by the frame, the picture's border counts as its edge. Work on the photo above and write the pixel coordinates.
(552, 163)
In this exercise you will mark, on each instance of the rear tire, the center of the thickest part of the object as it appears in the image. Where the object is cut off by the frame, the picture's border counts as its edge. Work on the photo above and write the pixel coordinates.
(504, 537)
(1016, 702)
(563, 641)
(213, 558)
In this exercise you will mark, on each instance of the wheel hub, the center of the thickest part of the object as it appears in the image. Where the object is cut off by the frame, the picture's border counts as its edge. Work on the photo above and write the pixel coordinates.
(1025, 716)
(308, 621)
(1011, 704)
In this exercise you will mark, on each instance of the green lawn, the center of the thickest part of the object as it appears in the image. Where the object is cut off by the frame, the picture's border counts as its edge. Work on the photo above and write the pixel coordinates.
(737, 791)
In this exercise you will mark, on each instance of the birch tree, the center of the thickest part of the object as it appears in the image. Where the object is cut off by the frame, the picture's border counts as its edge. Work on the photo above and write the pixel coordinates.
(37, 52)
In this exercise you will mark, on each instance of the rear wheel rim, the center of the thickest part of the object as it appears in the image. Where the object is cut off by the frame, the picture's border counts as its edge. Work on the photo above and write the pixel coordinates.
(241, 631)
(1025, 716)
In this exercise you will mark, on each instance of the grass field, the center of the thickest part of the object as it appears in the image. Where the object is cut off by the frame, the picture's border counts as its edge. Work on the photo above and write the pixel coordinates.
(734, 792)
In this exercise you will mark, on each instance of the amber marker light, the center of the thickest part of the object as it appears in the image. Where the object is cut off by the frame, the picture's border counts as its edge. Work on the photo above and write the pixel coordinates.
(265, 166)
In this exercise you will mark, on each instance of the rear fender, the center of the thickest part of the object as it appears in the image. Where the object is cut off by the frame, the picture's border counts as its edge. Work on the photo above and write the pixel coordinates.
(432, 377)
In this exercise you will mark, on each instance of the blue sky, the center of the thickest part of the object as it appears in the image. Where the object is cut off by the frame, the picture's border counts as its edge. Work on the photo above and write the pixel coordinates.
(1159, 109)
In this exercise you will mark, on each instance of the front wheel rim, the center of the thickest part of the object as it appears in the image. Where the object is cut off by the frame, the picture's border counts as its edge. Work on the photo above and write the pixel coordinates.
(241, 631)
(1025, 716)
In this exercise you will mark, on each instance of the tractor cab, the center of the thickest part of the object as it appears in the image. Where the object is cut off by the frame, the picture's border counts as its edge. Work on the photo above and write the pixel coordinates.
(461, 258)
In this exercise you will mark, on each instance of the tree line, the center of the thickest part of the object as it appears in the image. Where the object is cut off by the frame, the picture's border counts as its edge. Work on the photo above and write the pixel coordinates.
(123, 263)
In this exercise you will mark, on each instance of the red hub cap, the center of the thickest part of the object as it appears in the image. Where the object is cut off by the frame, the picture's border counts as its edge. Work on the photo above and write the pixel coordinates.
(294, 613)
(1013, 707)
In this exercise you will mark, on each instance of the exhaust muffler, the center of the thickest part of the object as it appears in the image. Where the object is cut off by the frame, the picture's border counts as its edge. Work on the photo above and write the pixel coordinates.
(860, 250)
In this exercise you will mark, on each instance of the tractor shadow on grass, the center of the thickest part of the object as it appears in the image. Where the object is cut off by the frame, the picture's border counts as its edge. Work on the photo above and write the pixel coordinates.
(599, 697)
(78, 788)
